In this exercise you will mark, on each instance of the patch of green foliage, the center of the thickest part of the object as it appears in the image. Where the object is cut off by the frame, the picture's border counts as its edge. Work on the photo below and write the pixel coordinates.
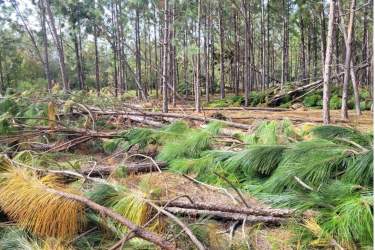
(191, 145)
(271, 132)
(255, 160)
(342, 135)
(360, 169)
(8, 105)
(311, 100)
(314, 162)
(145, 136)
(200, 166)
(335, 102)
(256, 98)
(5, 125)
(233, 101)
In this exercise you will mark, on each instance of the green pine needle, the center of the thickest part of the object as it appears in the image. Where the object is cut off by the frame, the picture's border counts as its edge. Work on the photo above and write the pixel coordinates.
(314, 162)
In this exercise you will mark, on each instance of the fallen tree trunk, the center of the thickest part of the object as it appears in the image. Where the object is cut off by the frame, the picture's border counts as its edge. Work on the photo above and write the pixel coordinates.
(226, 109)
(133, 168)
(226, 216)
(302, 89)
(294, 119)
(141, 117)
(230, 209)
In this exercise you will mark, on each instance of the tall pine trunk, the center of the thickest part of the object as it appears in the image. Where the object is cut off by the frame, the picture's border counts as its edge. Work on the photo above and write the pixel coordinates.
(165, 56)
(59, 46)
(327, 62)
(45, 46)
(222, 85)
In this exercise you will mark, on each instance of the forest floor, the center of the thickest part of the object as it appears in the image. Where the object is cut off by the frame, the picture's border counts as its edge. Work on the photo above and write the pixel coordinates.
(192, 173)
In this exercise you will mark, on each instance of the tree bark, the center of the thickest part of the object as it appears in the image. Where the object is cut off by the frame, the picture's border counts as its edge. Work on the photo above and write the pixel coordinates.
(327, 63)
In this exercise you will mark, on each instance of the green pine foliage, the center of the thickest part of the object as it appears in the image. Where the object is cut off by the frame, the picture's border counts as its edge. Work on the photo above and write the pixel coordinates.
(271, 133)
(200, 166)
(314, 162)
(337, 133)
(351, 220)
(360, 169)
(191, 144)
(256, 160)
(145, 136)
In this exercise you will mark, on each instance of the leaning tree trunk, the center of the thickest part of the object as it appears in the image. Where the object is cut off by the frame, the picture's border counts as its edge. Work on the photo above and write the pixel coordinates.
(59, 46)
(348, 42)
(327, 62)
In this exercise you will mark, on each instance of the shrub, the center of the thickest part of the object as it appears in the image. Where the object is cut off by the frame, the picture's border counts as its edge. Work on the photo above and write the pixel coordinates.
(8, 106)
(286, 105)
(257, 98)
(311, 100)
(335, 102)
